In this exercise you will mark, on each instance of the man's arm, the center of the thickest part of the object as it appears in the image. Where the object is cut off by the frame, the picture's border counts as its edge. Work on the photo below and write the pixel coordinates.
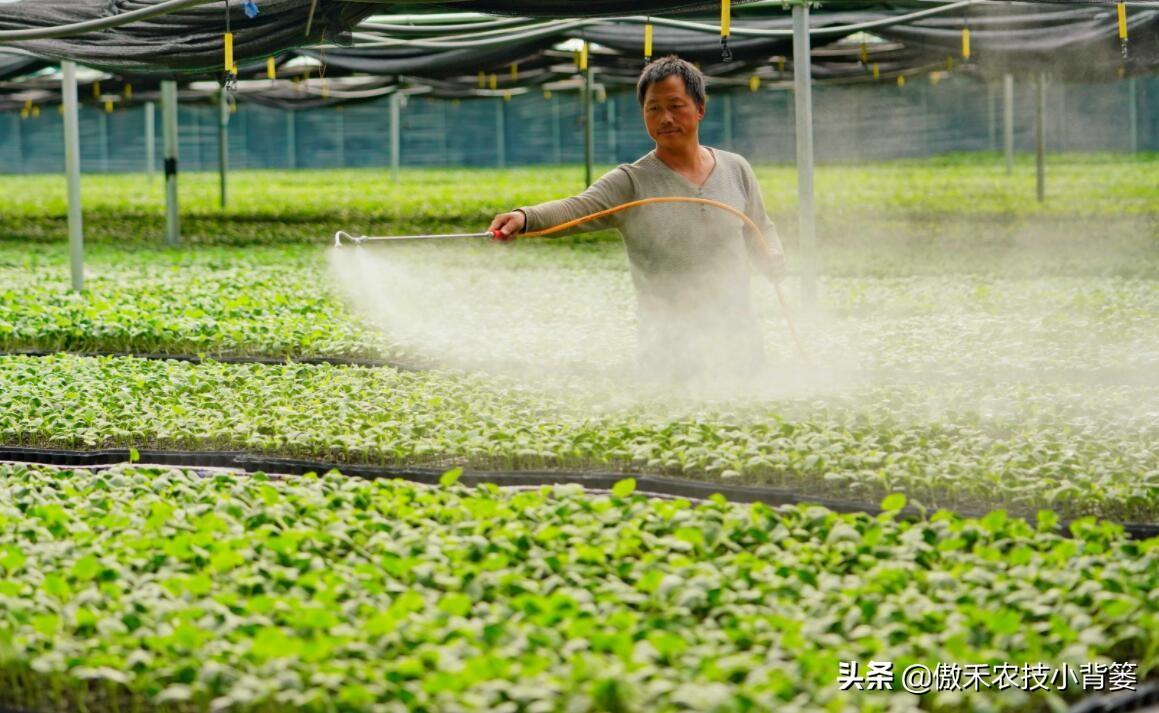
(612, 189)
(770, 262)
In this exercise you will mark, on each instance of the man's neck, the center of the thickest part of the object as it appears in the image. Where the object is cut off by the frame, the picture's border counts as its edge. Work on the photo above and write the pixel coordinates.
(684, 159)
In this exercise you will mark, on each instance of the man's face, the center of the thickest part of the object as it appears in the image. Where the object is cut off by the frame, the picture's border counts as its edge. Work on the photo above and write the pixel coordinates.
(672, 117)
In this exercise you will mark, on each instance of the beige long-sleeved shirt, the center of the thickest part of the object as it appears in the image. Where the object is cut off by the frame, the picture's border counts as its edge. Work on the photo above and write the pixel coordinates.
(684, 258)
(690, 263)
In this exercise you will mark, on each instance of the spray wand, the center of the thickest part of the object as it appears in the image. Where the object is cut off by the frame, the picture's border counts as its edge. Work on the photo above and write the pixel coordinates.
(498, 236)
(360, 239)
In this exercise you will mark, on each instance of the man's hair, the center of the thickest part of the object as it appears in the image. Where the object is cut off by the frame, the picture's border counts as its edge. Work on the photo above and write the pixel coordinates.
(660, 69)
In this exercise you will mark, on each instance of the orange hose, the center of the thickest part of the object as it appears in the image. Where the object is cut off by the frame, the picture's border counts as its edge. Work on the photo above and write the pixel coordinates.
(764, 247)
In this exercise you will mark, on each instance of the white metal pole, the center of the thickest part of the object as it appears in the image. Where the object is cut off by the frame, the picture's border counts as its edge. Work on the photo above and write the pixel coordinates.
(589, 122)
(19, 133)
(150, 141)
(169, 129)
(340, 123)
(613, 141)
(395, 134)
(991, 117)
(72, 169)
(1133, 113)
(803, 104)
(103, 134)
(243, 131)
(726, 100)
(444, 139)
(555, 138)
(291, 139)
(1008, 121)
(223, 145)
(501, 133)
(1040, 138)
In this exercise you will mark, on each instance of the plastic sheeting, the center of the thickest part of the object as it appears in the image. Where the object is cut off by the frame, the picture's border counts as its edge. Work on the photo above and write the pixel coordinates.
(19, 65)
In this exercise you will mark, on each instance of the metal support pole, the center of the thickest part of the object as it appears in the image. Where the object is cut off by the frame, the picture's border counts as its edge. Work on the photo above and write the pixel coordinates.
(169, 130)
(726, 102)
(1040, 138)
(243, 132)
(340, 124)
(555, 138)
(150, 141)
(395, 134)
(500, 133)
(72, 169)
(19, 133)
(1008, 121)
(223, 146)
(291, 140)
(1133, 113)
(103, 134)
(991, 117)
(610, 116)
(444, 138)
(589, 126)
(803, 104)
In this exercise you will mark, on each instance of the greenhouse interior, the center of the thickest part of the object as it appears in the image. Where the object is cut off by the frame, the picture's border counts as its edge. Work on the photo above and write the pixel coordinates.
(522, 357)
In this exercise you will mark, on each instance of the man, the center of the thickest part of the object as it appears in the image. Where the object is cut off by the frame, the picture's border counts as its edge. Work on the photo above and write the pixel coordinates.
(690, 263)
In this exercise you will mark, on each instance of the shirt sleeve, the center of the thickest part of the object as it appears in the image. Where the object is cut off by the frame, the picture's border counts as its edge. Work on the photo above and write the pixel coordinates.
(612, 189)
(766, 260)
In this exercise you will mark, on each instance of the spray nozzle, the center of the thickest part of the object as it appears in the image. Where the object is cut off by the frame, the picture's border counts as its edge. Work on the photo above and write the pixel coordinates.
(356, 239)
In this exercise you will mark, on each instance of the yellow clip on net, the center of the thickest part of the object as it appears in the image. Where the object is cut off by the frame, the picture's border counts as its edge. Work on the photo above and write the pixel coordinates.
(229, 65)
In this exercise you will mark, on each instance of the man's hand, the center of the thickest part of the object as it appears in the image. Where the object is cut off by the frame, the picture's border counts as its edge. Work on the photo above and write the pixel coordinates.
(508, 224)
(775, 266)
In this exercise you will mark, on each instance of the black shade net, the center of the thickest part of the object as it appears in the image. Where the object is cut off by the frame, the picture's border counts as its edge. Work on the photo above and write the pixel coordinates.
(562, 8)
(186, 41)
(434, 63)
(1079, 44)
(1077, 41)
